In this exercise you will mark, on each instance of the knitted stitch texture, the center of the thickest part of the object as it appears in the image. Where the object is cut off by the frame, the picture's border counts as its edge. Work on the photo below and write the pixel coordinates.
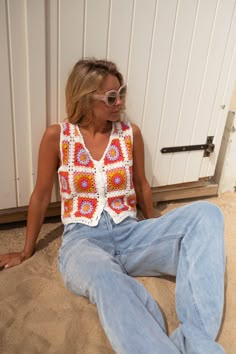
(88, 186)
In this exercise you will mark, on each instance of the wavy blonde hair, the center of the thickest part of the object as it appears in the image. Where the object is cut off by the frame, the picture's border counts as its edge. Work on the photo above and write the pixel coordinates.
(86, 77)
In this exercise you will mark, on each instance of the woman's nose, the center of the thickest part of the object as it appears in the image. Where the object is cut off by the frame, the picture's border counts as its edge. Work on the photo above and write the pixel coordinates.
(118, 101)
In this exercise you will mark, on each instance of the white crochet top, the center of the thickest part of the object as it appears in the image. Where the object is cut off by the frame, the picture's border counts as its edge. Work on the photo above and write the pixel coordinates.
(88, 186)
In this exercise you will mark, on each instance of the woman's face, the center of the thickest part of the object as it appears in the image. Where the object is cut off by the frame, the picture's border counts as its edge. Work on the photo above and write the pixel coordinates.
(101, 111)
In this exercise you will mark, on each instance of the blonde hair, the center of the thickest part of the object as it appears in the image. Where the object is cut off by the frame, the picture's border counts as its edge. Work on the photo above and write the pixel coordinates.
(86, 77)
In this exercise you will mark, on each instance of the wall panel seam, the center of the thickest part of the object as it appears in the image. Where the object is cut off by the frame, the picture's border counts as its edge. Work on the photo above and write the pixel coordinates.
(131, 40)
(28, 95)
(58, 58)
(84, 27)
(48, 62)
(109, 28)
(149, 63)
(12, 101)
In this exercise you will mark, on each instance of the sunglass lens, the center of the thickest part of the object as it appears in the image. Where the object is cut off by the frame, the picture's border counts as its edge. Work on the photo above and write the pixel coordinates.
(123, 92)
(111, 98)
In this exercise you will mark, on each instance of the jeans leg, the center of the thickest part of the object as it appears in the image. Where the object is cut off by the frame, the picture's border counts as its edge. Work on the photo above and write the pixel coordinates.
(200, 283)
(188, 242)
(130, 317)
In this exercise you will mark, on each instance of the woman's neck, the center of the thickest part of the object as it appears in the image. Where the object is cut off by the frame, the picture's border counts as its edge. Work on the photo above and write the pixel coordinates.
(94, 129)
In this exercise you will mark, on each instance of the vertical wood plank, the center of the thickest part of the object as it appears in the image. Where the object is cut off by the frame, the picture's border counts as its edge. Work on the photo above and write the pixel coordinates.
(140, 47)
(21, 118)
(36, 57)
(159, 64)
(96, 28)
(71, 32)
(222, 98)
(7, 163)
(51, 12)
(120, 32)
(174, 88)
(192, 88)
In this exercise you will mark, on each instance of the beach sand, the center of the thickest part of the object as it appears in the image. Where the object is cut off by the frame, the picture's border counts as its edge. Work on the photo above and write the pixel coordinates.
(39, 315)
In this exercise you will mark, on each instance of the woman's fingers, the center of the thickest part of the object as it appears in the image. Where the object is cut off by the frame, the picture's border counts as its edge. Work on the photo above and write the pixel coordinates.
(10, 260)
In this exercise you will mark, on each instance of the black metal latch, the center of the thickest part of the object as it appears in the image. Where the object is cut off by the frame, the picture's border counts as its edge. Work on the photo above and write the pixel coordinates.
(208, 148)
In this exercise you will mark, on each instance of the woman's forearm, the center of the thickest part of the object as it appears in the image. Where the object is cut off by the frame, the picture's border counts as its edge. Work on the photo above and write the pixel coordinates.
(145, 203)
(36, 214)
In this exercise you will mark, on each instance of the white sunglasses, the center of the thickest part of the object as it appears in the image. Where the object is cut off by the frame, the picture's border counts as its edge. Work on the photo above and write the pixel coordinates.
(110, 97)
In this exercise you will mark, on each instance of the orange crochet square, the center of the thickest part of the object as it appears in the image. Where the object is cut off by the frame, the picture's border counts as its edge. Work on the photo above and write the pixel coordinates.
(86, 207)
(117, 204)
(128, 144)
(131, 201)
(114, 153)
(64, 182)
(65, 152)
(84, 182)
(66, 128)
(81, 156)
(116, 179)
(68, 208)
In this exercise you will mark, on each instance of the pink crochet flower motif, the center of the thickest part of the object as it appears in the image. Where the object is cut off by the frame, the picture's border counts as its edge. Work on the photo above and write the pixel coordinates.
(86, 207)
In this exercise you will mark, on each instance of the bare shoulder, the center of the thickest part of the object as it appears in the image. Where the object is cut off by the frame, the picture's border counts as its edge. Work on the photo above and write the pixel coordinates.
(50, 143)
(53, 132)
(136, 131)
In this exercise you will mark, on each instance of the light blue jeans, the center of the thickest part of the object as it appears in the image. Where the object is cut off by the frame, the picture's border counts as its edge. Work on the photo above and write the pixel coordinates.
(99, 262)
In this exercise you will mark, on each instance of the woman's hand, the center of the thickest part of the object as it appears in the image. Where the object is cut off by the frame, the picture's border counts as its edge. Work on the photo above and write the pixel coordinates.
(9, 260)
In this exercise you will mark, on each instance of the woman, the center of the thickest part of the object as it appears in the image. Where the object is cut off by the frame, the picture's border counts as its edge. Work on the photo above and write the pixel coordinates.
(100, 162)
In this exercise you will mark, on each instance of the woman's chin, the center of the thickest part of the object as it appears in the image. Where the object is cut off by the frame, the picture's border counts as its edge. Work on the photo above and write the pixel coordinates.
(114, 117)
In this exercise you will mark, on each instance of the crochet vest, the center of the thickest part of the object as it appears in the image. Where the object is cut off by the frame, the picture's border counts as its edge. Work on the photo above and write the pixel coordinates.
(87, 186)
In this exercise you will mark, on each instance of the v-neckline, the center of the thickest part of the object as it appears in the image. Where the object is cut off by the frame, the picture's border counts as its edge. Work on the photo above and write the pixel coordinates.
(87, 150)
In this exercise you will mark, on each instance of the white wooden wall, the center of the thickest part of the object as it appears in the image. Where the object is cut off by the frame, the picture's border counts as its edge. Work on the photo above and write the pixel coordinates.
(177, 56)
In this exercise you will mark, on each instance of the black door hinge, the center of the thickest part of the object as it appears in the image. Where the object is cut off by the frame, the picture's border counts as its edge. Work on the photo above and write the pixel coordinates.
(208, 148)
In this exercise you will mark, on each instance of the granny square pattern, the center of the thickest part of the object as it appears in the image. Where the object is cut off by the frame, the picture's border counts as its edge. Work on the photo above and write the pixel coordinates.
(81, 156)
(86, 207)
(65, 152)
(68, 208)
(117, 204)
(87, 186)
(64, 182)
(114, 153)
(84, 182)
(116, 179)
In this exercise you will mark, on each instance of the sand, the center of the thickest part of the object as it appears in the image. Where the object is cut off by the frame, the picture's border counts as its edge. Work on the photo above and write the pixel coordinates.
(39, 315)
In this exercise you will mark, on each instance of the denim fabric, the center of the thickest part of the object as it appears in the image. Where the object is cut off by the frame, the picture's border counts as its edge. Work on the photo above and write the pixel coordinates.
(99, 262)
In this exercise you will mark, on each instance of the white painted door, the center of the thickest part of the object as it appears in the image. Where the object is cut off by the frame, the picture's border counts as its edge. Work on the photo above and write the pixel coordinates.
(179, 81)
(177, 57)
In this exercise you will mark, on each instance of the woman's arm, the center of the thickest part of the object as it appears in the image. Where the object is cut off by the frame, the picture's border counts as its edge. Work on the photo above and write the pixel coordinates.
(48, 161)
(141, 185)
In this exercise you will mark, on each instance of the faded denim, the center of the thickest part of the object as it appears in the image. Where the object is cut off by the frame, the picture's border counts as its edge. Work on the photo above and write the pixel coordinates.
(99, 262)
